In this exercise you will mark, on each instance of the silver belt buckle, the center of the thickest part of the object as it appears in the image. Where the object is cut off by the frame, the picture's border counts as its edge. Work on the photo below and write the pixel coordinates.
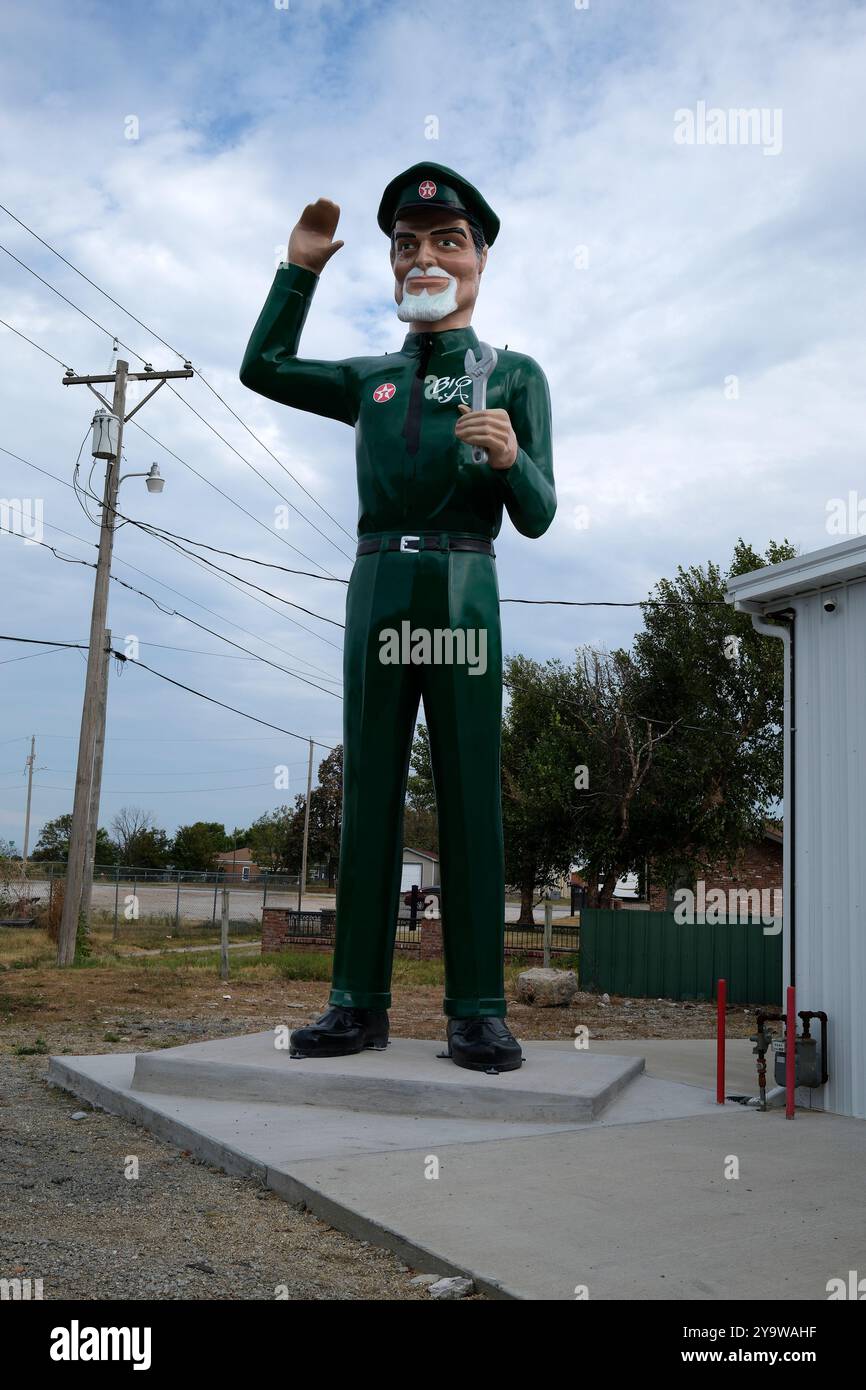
(404, 543)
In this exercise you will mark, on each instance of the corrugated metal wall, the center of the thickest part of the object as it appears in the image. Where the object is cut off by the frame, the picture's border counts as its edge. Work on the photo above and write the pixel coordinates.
(650, 955)
(830, 846)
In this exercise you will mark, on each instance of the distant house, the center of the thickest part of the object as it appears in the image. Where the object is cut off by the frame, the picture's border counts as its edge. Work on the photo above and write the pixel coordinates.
(237, 865)
(419, 866)
(758, 867)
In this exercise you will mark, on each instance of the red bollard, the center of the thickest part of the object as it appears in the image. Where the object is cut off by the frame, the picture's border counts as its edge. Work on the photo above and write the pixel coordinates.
(721, 998)
(790, 1051)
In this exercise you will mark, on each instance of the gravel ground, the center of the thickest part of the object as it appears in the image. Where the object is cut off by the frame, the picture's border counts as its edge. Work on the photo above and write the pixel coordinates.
(181, 1230)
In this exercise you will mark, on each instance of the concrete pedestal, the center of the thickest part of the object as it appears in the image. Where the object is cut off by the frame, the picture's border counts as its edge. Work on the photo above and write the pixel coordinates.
(581, 1169)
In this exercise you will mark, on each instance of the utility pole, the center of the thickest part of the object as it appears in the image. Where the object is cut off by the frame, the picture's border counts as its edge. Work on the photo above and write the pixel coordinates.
(29, 764)
(96, 780)
(97, 669)
(303, 878)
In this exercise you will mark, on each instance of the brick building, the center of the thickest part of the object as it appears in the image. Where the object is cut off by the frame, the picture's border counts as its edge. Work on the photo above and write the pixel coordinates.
(758, 867)
(237, 865)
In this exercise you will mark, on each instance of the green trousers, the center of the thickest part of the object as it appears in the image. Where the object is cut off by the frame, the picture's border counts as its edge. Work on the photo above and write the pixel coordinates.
(404, 594)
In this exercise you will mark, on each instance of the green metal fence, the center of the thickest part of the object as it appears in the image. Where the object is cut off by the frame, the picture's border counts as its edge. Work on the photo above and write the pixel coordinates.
(650, 955)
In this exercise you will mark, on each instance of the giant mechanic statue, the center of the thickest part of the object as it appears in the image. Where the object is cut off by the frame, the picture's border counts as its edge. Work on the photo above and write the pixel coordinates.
(433, 477)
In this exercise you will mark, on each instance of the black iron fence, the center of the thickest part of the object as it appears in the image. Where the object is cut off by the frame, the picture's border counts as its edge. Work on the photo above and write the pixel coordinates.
(420, 903)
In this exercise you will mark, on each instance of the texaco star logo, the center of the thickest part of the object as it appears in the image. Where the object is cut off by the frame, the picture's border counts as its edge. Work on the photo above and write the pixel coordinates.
(427, 189)
(384, 392)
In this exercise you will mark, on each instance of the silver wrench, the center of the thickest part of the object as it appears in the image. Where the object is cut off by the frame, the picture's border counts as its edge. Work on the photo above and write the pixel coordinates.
(480, 369)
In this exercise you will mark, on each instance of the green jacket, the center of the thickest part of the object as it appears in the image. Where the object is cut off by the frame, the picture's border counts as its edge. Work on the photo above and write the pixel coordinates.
(437, 488)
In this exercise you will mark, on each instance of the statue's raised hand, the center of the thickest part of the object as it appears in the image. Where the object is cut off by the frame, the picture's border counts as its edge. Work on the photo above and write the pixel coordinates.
(312, 244)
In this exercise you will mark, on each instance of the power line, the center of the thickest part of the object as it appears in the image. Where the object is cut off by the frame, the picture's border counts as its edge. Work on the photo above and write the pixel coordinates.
(169, 613)
(278, 461)
(196, 560)
(229, 498)
(202, 696)
(44, 351)
(39, 642)
(103, 292)
(121, 656)
(233, 554)
(114, 337)
(616, 603)
(175, 613)
(264, 479)
(216, 738)
(551, 602)
(224, 656)
(183, 356)
(160, 791)
(202, 478)
(175, 545)
(30, 656)
(67, 559)
(177, 772)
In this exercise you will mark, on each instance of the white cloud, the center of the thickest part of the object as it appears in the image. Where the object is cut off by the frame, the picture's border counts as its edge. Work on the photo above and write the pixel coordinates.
(703, 262)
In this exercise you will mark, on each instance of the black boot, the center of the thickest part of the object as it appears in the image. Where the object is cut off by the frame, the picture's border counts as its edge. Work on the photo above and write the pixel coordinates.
(340, 1032)
(483, 1044)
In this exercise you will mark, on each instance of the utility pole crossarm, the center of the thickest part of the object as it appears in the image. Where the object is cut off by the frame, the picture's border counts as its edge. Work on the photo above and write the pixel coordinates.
(70, 379)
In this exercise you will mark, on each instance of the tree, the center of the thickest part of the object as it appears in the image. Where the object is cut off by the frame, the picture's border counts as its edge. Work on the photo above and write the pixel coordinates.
(420, 822)
(538, 797)
(615, 750)
(106, 849)
(326, 812)
(53, 843)
(275, 839)
(140, 843)
(196, 846)
(718, 683)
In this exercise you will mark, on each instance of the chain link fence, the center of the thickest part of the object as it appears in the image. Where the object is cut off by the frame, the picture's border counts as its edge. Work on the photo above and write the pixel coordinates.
(149, 906)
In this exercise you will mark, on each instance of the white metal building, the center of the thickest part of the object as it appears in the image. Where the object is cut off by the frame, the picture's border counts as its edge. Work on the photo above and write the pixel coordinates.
(816, 605)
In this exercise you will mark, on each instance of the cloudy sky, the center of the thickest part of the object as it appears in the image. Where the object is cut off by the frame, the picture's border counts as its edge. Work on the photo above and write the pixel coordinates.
(697, 304)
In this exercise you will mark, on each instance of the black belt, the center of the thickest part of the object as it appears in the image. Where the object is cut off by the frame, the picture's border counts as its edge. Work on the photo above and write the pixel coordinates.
(371, 544)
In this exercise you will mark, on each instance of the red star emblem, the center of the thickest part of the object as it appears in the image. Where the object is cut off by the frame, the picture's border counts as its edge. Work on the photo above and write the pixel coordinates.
(384, 392)
(427, 189)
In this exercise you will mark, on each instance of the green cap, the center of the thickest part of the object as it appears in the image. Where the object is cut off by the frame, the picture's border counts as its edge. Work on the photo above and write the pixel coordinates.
(432, 185)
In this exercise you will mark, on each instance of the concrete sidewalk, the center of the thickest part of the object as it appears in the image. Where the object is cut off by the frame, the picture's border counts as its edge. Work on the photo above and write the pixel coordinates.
(632, 1204)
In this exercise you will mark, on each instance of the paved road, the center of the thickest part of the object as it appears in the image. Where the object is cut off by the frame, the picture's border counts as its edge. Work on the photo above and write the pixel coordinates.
(245, 904)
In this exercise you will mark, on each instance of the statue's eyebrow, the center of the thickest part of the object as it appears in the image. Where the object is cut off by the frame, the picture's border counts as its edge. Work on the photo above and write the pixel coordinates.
(438, 231)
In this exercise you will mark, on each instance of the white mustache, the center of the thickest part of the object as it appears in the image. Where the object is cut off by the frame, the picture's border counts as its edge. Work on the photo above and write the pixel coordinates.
(432, 273)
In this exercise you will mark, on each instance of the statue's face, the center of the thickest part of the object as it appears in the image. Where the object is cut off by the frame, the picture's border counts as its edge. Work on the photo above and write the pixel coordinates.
(437, 271)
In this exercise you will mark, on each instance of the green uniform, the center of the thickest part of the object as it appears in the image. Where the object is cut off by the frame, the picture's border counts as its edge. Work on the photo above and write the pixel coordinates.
(416, 479)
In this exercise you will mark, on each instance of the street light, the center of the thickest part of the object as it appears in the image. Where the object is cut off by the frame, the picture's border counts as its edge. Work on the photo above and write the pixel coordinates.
(154, 480)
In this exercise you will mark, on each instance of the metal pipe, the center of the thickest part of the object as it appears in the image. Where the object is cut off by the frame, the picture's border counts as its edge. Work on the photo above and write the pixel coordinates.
(807, 1015)
(783, 629)
(790, 1052)
(721, 1000)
